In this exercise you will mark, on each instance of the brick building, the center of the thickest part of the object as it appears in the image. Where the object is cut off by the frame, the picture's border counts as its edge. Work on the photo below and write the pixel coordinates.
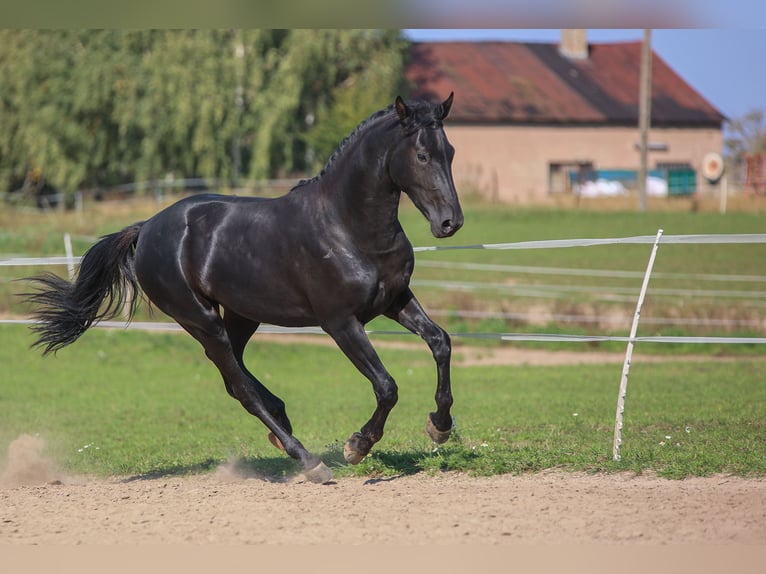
(530, 120)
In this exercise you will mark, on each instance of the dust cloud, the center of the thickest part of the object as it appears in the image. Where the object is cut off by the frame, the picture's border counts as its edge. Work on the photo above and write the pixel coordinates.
(237, 469)
(26, 465)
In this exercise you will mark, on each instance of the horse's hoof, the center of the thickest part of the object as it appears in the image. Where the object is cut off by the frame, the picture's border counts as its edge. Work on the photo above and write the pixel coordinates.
(319, 474)
(353, 451)
(352, 456)
(275, 441)
(436, 435)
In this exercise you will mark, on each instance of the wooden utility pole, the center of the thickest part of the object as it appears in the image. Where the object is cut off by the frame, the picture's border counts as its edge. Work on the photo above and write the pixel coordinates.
(644, 115)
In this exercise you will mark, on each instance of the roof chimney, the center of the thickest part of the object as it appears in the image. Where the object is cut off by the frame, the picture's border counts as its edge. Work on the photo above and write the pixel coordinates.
(574, 44)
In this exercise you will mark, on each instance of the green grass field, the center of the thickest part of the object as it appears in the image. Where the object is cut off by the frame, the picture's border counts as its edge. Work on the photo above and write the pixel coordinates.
(128, 403)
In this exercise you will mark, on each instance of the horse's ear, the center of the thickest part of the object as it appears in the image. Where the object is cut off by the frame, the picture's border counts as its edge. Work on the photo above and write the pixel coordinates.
(447, 104)
(401, 109)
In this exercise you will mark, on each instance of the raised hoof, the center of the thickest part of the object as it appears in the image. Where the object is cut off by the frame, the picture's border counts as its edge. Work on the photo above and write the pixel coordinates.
(319, 474)
(439, 437)
(353, 450)
(275, 441)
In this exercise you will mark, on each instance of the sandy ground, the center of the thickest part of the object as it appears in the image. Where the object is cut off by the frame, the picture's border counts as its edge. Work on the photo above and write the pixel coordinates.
(430, 510)
(39, 506)
(227, 507)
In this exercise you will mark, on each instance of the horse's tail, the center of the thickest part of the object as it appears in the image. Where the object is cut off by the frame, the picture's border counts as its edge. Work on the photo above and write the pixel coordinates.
(105, 280)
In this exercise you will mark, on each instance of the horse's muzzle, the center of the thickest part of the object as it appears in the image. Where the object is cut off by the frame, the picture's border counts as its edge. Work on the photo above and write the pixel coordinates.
(449, 226)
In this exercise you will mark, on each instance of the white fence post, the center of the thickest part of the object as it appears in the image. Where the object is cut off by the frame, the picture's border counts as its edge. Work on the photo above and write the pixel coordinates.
(629, 353)
(724, 191)
(69, 255)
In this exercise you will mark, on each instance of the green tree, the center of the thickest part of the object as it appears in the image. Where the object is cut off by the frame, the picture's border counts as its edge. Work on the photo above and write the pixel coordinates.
(308, 74)
(90, 108)
(746, 134)
(369, 83)
(56, 111)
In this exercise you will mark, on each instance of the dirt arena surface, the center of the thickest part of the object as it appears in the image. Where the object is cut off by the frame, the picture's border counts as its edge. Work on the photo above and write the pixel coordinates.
(444, 509)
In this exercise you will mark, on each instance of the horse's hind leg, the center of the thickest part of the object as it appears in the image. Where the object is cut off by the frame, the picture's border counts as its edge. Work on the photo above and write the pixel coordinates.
(203, 321)
(407, 311)
(240, 330)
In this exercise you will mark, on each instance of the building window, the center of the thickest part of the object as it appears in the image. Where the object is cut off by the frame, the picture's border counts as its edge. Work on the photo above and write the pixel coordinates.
(680, 177)
(562, 176)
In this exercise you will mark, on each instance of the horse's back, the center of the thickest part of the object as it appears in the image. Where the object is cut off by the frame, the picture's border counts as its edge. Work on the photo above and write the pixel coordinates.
(197, 215)
(173, 243)
(236, 251)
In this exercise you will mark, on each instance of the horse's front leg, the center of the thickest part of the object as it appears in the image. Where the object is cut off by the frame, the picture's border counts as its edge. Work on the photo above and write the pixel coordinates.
(353, 341)
(407, 311)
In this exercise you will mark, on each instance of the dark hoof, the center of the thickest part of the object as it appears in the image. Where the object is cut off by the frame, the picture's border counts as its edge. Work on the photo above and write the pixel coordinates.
(275, 441)
(439, 437)
(319, 474)
(356, 448)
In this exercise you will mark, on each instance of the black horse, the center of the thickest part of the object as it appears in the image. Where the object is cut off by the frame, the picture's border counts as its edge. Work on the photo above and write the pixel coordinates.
(331, 252)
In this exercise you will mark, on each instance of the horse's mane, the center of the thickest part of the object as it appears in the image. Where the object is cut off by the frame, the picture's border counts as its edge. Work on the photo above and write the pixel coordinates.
(345, 143)
(422, 116)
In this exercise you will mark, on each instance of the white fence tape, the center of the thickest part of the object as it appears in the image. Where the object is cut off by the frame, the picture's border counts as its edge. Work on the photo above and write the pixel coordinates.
(539, 289)
(572, 318)
(735, 238)
(30, 261)
(536, 290)
(538, 337)
(533, 270)
(640, 239)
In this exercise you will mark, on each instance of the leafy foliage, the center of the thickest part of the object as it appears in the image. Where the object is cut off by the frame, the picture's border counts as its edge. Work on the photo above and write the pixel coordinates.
(747, 134)
(95, 108)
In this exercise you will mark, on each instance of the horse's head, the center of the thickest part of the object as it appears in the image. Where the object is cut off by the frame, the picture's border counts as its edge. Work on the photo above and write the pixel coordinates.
(421, 164)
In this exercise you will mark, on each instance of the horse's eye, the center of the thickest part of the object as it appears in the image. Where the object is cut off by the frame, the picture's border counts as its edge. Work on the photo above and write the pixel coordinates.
(422, 157)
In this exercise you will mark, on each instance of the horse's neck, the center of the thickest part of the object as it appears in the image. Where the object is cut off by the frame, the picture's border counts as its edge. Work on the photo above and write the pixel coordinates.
(368, 210)
(365, 198)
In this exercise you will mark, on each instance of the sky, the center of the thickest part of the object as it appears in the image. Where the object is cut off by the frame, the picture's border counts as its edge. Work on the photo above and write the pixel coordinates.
(726, 66)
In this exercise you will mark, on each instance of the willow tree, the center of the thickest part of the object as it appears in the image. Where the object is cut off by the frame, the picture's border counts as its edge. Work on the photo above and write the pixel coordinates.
(57, 105)
(94, 108)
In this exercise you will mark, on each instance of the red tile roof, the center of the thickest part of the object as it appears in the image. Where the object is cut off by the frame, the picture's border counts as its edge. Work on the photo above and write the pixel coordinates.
(517, 82)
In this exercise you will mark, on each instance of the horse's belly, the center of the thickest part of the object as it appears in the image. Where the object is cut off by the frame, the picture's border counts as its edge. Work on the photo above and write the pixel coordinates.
(277, 304)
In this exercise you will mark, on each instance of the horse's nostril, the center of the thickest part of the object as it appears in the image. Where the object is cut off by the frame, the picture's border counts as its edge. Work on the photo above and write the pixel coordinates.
(447, 224)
